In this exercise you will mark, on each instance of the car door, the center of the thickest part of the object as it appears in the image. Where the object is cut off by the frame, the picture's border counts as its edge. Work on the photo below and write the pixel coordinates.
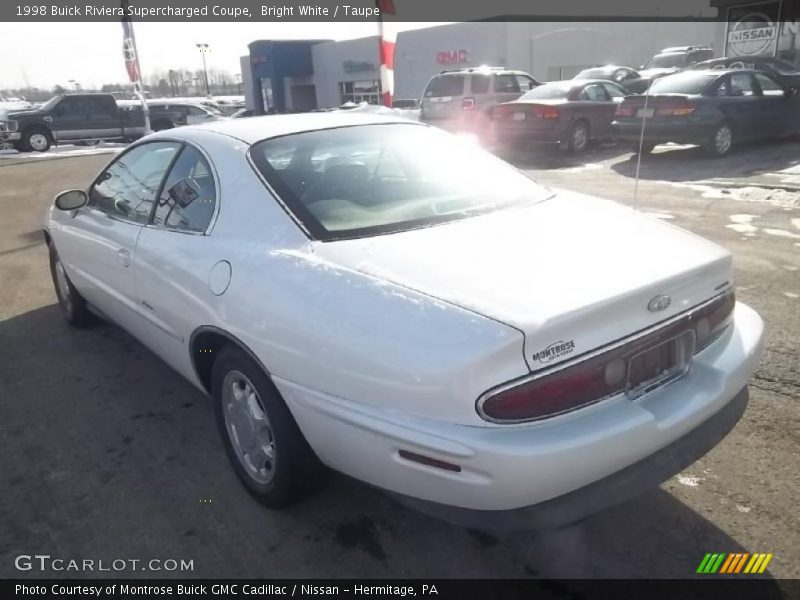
(69, 119)
(505, 88)
(596, 106)
(780, 108)
(741, 102)
(177, 270)
(104, 121)
(98, 242)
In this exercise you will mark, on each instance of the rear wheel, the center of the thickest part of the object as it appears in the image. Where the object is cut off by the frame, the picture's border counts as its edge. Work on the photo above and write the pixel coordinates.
(72, 304)
(263, 442)
(578, 138)
(721, 140)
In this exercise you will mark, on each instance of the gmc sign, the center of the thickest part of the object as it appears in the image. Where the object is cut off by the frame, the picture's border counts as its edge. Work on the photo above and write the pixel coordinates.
(452, 57)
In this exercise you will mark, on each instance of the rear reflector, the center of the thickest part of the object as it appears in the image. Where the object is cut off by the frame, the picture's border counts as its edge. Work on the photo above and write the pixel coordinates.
(633, 366)
(468, 104)
(428, 461)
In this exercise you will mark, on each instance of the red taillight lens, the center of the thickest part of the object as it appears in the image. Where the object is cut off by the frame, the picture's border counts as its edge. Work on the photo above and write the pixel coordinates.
(675, 110)
(625, 110)
(608, 373)
(544, 112)
(468, 104)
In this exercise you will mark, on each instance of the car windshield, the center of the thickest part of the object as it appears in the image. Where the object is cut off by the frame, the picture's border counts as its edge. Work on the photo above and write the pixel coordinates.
(688, 82)
(51, 103)
(445, 85)
(781, 66)
(548, 91)
(666, 61)
(371, 179)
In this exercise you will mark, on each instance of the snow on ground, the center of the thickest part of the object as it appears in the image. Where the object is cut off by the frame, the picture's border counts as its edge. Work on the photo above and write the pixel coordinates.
(777, 197)
(406, 113)
(62, 151)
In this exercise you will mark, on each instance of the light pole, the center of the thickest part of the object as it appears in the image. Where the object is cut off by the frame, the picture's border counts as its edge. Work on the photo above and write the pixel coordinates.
(203, 51)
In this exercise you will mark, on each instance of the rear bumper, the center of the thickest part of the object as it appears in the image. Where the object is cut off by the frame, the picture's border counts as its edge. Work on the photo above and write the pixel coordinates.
(521, 131)
(513, 467)
(661, 133)
(610, 491)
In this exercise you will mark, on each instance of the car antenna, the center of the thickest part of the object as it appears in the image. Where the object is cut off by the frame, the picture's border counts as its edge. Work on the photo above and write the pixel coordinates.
(644, 112)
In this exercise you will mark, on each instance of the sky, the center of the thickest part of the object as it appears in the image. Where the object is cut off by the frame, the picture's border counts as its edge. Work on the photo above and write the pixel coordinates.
(47, 54)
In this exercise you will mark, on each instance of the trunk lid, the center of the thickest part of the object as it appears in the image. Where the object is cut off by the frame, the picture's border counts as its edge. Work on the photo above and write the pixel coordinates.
(572, 273)
(659, 107)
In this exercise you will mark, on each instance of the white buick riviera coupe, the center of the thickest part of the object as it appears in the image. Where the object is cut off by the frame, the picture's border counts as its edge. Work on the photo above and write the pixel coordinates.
(393, 302)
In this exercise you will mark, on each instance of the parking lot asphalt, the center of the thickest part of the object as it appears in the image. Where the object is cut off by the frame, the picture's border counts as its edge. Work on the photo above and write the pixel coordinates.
(106, 453)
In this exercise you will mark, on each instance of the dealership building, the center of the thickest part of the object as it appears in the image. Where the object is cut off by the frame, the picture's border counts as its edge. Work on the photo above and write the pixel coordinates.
(300, 75)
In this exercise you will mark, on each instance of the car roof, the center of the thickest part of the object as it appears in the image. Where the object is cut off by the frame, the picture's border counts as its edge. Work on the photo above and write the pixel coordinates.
(255, 129)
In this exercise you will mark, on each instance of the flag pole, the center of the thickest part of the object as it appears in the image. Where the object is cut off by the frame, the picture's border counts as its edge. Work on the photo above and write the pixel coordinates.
(131, 55)
(386, 44)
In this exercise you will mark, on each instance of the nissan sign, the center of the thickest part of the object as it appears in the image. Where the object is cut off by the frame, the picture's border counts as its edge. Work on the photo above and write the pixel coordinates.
(452, 57)
(752, 35)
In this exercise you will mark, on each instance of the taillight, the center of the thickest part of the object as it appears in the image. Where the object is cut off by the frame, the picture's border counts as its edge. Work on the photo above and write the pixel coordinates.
(544, 112)
(625, 110)
(675, 110)
(468, 104)
(612, 371)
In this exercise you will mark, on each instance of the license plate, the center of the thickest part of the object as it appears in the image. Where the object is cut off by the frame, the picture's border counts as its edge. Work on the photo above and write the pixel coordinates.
(519, 116)
(645, 113)
(659, 364)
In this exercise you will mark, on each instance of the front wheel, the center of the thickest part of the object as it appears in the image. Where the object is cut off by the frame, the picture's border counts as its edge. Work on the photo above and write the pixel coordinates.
(721, 140)
(72, 304)
(263, 442)
(37, 139)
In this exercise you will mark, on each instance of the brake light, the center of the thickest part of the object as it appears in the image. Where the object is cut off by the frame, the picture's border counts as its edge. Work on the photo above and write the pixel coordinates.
(468, 104)
(544, 112)
(603, 374)
(675, 110)
(625, 110)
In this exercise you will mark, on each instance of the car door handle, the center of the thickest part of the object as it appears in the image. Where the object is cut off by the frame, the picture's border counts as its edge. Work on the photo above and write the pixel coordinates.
(124, 257)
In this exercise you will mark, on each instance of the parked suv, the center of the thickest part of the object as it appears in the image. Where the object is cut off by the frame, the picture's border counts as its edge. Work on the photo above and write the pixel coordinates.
(671, 60)
(463, 99)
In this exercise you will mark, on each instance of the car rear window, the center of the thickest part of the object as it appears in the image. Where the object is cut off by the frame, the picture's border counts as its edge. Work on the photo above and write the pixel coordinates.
(366, 180)
(549, 91)
(445, 85)
(688, 82)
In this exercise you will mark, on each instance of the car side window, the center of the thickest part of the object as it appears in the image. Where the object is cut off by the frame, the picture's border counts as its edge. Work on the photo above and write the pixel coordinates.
(594, 92)
(505, 84)
(68, 107)
(769, 87)
(525, 83)
(127, 188)
(742, 85)
(194, 111)
(189, 196)
(479, 84)
(614, 91)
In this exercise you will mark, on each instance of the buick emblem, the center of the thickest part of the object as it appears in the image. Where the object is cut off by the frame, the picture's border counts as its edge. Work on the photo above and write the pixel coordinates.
(659, 303)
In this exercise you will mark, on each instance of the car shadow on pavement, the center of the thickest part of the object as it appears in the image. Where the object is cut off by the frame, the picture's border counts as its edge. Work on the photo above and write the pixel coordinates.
(690, 163)
(549, 156)
(108, 453)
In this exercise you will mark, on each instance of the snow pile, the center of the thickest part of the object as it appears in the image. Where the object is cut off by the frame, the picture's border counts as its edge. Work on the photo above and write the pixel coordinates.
(374, 109)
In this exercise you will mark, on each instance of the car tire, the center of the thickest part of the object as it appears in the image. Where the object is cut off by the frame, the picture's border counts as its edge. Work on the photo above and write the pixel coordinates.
(72, 304)
(578, 139)
(721, 141)
(161, 124)
(36, 139)
(264, 444)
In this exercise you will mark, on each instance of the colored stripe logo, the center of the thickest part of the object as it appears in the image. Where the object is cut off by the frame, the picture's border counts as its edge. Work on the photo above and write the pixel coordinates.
(733, 563)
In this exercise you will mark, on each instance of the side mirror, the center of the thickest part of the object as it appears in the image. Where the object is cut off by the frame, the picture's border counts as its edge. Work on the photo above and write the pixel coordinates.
(71, 199)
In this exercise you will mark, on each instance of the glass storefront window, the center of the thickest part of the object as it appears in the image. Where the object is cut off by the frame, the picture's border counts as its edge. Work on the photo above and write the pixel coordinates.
(360, 91)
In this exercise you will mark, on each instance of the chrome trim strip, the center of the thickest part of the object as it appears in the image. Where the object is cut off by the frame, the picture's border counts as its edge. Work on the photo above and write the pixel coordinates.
(578, 359)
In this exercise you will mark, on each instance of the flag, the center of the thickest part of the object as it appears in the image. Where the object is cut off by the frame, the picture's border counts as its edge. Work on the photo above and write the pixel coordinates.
(387, 41)
(129, 48)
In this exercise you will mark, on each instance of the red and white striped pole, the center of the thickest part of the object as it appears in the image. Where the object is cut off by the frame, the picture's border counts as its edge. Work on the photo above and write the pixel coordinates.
(386, 41)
